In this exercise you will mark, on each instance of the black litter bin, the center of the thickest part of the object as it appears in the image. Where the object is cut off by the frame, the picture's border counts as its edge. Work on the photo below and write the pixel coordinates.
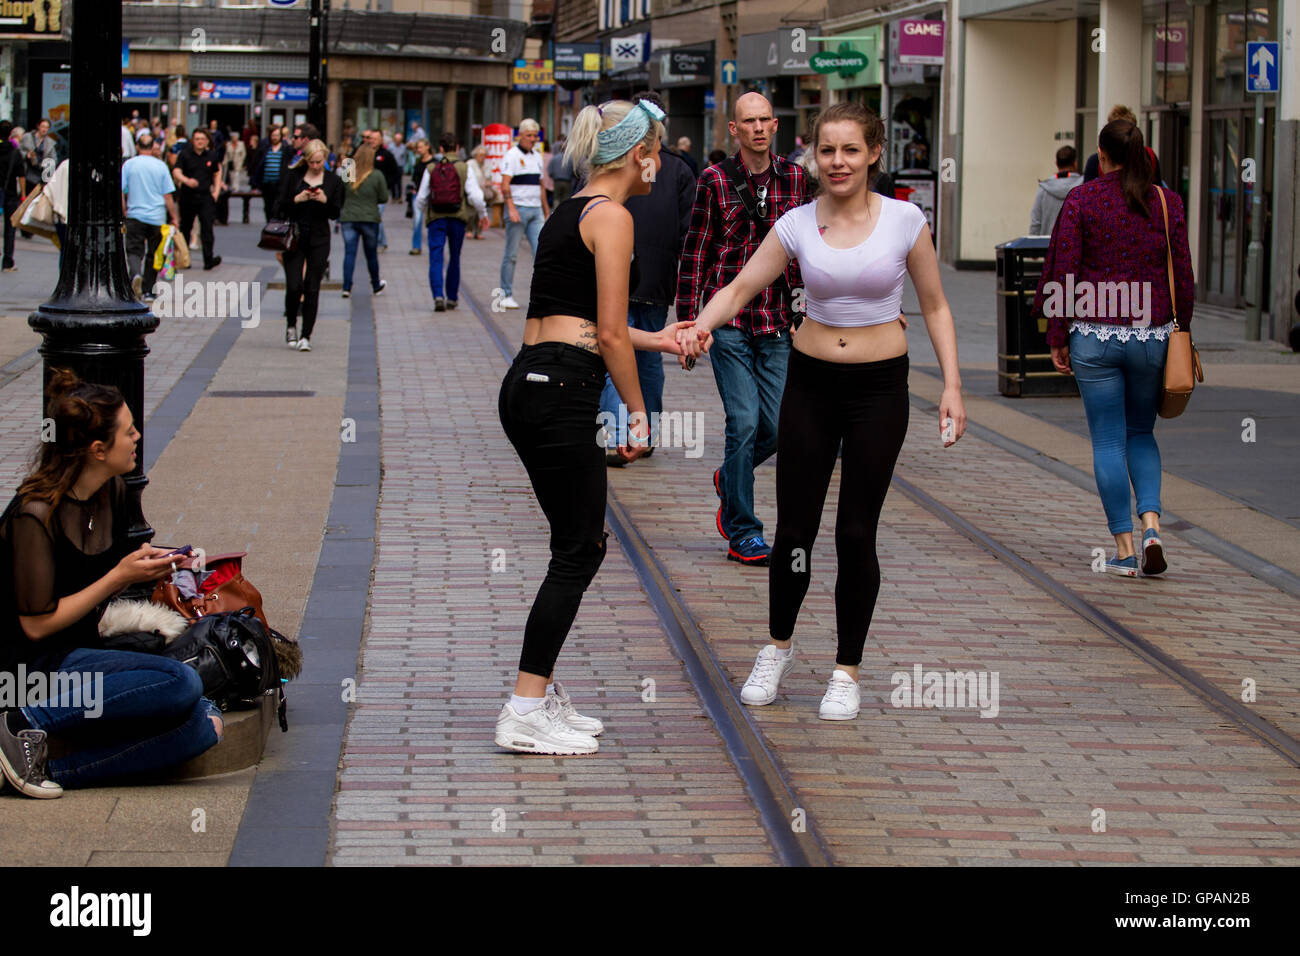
(1024, 359)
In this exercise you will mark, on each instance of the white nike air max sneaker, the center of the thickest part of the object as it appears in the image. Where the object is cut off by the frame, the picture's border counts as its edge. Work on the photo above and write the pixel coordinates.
(586, 725)
(542, 731)
(766, 676)
(842, 698)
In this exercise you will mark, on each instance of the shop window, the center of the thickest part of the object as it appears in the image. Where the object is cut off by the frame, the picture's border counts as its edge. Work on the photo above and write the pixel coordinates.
(1237, 22)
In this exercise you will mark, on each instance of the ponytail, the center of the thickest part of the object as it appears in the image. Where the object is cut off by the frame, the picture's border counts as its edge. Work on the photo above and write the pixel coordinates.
(82, 413)
(1123, 145)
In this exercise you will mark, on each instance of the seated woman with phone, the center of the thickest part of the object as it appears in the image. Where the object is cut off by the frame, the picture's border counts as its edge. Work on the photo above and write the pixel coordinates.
(64, 553)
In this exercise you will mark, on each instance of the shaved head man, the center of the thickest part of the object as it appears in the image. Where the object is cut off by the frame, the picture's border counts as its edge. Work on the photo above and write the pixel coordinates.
(736, 203)
(754, 127)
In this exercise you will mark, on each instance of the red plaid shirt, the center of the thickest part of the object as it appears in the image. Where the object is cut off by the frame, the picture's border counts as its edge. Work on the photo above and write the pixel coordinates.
(722, 238)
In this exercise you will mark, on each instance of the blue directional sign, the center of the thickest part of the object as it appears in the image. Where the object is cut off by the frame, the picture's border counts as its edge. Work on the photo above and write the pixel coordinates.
(1263, 63)
(729, 72)
(710, 101)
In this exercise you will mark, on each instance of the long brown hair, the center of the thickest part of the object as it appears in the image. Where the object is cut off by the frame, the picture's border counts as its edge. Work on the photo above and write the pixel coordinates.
(364, 158)
(82, 413)
(1123, 145)
(873, 131)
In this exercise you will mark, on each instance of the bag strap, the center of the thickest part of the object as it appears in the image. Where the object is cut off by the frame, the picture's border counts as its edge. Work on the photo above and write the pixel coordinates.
(1169, 257)
(731, 168)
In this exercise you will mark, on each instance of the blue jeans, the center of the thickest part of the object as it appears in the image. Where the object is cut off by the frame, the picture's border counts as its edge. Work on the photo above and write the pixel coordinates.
(368, 233)
(452, 232)
(1120, 385)
(153, 716)
(750, 372)
(649, 369)
(416, 231)
(383, 239)
(530, 224)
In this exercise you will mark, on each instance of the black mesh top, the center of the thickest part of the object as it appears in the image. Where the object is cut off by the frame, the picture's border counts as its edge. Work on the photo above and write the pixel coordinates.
(39, 565)
(564, 272)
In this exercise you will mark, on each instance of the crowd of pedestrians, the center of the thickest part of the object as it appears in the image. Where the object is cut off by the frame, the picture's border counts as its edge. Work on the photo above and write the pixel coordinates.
(787, 272)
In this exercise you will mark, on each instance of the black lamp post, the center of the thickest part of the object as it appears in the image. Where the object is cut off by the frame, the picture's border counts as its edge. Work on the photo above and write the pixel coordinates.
(92, 323)
(316, 69)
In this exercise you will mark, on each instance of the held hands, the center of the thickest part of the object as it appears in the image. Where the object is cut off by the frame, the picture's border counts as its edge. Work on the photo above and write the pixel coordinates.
(951, 407)
(692, 342)
(146, 563)
(1061, 359)
(638, 434)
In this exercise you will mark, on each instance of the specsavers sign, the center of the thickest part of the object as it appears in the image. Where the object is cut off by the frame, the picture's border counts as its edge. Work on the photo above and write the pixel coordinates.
(853, 59)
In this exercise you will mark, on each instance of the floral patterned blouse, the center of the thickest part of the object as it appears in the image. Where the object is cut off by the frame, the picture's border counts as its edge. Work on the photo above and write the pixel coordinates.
(1108, 262)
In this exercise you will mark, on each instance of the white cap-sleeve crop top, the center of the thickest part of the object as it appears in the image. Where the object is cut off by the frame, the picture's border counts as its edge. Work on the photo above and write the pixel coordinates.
(858, 286)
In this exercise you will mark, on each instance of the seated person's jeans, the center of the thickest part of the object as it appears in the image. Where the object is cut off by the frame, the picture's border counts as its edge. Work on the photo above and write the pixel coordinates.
(127, 714)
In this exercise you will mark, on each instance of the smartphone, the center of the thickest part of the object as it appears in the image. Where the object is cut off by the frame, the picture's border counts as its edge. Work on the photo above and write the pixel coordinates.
(187, 550)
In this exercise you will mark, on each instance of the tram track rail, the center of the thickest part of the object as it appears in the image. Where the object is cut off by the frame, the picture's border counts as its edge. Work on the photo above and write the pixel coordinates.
(767, 781)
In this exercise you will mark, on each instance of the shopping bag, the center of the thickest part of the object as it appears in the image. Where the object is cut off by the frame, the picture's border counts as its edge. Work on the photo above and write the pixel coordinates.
(164, 259)
(182, 251)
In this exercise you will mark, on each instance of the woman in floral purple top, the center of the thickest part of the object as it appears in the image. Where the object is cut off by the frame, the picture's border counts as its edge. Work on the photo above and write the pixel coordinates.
(1105, 293)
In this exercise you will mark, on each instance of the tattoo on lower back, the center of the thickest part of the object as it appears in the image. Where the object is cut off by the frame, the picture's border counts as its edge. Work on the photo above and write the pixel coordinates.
(587, 337)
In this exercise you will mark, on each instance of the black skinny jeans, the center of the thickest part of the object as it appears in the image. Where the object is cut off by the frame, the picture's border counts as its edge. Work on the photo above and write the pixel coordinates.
(866, 406)
(199, 203)
(552, 425)
(315, 249)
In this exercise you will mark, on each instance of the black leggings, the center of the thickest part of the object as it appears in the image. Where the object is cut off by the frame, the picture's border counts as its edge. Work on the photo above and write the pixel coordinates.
(551, 421)
(864, 405)
(305, 288)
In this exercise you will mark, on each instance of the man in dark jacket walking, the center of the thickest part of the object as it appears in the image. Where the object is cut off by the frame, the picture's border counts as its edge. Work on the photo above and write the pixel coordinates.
(660, 222)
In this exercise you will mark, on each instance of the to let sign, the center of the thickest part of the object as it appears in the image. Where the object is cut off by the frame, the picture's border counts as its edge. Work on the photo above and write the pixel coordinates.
(921, 41)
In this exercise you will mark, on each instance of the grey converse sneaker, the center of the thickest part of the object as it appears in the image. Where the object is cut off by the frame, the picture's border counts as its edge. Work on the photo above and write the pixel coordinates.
(22, 758)
(587, 725)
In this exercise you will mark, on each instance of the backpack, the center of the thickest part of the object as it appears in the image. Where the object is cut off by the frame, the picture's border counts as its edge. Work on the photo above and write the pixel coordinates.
(444, 187)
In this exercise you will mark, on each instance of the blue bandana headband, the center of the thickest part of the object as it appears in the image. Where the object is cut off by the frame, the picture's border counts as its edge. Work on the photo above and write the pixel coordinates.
(622, 136)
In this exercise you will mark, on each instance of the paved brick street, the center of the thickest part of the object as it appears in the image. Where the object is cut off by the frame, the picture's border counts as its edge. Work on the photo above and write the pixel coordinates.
(408, 773)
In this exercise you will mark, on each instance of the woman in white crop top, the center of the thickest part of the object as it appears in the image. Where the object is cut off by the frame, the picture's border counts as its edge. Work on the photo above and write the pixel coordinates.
(846, 385)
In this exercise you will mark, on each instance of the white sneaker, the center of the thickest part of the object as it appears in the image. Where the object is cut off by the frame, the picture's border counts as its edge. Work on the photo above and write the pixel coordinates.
(304, 345)
(766, 676)
(586, 725)
(541, 731)
(842, 698)
(509, 302)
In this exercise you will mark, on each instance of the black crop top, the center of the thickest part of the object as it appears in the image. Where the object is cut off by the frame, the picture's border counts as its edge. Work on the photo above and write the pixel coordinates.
(564, 271)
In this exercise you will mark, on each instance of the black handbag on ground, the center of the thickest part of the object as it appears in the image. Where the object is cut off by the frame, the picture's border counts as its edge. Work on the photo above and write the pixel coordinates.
(233, 654)
(279, 235)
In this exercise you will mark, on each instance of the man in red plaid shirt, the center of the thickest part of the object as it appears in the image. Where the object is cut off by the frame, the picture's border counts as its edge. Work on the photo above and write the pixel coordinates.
(748, 355)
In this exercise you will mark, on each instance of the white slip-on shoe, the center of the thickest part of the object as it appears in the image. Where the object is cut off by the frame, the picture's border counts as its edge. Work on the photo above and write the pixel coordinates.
(766, 676)
(304, 344)
(586, 725)
(509, 302)
(541, 731)
(842, 698)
